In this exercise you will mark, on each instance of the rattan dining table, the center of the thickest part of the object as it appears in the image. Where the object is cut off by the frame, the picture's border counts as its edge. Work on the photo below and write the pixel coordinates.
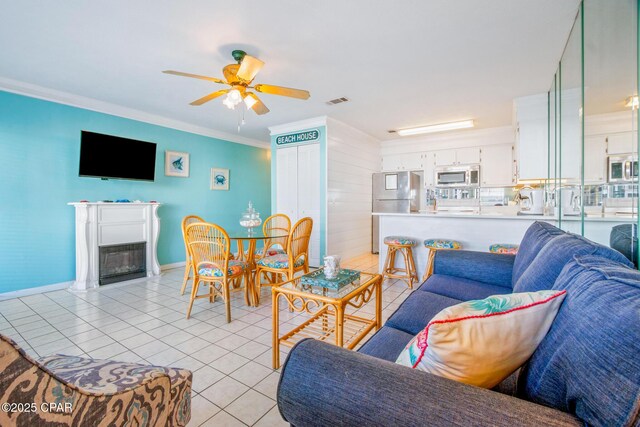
(248, 255)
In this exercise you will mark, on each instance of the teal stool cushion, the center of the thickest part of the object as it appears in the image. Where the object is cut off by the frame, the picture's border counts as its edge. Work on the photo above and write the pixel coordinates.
(399, 240)
(442, 244)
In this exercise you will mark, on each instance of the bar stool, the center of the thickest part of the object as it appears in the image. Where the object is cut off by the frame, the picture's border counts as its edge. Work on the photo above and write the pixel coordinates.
(402, 245)
(504, 248)
(434, 245)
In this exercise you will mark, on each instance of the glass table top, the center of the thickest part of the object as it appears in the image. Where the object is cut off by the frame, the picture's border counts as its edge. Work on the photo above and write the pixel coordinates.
(296, 285)
(241, 233)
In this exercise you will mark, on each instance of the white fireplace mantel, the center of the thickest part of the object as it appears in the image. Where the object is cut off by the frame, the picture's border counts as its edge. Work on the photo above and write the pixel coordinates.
(101, 224)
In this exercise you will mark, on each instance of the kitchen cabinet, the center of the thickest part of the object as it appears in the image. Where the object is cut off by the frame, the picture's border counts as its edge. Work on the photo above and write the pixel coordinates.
(532, 148)
(595, 159)
(392, 162)
(429, 163)
(621, 143)
(402, 162)
(468, 156)
(497, 166)
(298, 189)
(459, 156)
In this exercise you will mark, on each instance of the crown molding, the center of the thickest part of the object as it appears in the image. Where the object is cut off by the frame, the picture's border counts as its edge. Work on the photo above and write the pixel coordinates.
(73, 100)
(299, 125)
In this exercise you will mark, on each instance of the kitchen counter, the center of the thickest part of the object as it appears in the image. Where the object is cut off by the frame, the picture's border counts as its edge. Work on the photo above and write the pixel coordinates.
(477, 232)
(551, 219)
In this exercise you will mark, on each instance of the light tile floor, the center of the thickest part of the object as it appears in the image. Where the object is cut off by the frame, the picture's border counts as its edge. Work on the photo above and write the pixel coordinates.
(144, 322)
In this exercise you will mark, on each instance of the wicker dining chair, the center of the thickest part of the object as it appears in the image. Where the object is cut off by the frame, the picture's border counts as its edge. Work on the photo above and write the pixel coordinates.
(214, 265)
(188, 267)
(294, 260)
(277, 245)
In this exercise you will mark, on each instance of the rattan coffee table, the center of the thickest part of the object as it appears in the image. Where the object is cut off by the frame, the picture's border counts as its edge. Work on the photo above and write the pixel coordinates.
(328, 320)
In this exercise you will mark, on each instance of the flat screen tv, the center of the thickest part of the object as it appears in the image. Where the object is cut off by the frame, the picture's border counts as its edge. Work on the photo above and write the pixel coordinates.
(106, 156)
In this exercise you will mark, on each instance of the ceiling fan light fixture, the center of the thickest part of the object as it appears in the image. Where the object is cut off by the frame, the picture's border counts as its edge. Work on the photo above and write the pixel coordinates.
(249, 101)
(440, 127)
(233, 98)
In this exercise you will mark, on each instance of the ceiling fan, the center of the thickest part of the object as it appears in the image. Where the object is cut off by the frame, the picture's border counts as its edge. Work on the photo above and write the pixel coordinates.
(240, 76)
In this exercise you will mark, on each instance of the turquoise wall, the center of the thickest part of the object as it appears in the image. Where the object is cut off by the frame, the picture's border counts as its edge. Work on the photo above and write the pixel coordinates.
(322, 140)
(39, 152)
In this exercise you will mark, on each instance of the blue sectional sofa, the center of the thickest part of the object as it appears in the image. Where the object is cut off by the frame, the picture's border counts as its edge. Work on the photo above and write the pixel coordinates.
(585, 371)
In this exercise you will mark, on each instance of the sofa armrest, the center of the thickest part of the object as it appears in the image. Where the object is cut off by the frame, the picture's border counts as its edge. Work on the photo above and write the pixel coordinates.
(495, 269)
(325, 385)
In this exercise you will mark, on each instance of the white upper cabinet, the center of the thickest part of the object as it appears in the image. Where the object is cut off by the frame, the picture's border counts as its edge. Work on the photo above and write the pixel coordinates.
(412, 161)
(497, 166)
(458, 156)
(429, 163)
(595, 159)
(402, 162)
(391, 162)
(621, 143)
(532, 136)
(445, 157)
(468, 156)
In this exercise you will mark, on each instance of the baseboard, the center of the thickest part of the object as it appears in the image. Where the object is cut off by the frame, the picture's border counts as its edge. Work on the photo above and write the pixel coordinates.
(172, 265)
(65, 285)
(33, 291)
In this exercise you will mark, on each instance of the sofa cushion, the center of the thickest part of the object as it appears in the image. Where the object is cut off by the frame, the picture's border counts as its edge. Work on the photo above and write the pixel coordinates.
(545, 268)
(417, 310)
(589, 362)
(386, 344)
(461, 289)
(536, 237)
(485, 267)
(482, 342)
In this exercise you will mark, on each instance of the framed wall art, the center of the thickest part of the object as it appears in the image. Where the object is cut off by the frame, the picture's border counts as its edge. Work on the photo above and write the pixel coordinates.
(176, 164)
(219, 179)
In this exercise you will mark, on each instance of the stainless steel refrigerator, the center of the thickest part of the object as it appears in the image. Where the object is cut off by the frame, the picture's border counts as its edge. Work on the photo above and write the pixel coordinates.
(394, 192)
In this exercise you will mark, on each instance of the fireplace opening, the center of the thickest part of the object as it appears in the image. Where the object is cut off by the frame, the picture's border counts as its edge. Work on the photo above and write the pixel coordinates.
(122, 262)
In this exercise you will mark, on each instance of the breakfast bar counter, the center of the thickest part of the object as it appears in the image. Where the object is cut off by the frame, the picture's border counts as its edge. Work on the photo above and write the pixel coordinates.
(477, 232)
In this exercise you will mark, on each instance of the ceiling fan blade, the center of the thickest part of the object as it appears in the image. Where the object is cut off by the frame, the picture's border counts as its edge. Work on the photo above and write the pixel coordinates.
(249, 67)
(258, 106)
(209, 97)
(195, 76)
(283, 91)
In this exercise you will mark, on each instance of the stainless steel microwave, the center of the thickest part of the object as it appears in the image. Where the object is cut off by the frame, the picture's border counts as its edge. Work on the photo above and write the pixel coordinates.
(458, 176)
(623, 169)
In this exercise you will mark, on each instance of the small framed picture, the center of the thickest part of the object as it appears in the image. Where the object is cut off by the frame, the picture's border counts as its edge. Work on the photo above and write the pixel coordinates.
(219, 179)
(176, 164)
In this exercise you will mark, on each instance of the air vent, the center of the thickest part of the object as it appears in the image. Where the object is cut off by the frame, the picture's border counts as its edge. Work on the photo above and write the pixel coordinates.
(338, 101)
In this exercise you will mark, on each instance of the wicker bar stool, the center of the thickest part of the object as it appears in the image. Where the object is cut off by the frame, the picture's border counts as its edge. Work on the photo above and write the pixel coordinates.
(504, 248)
(402, 245)
(436, 245)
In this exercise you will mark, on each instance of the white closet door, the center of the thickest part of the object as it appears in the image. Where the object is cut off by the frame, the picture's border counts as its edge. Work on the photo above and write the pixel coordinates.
(309, 194)
(287, 182)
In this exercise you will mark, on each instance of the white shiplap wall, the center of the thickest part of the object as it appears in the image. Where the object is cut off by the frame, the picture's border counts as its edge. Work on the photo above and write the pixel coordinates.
(352, 156)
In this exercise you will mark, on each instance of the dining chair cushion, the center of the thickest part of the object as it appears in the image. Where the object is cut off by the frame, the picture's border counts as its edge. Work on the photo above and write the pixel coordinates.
(270, 251)
(279, 261)
(211, 270)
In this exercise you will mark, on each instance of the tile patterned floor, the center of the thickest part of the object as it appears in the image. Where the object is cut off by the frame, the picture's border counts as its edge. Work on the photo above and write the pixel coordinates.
(144, 322)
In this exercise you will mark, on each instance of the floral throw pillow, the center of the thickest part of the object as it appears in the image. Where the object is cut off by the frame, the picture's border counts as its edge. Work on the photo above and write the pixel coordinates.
(482, 342)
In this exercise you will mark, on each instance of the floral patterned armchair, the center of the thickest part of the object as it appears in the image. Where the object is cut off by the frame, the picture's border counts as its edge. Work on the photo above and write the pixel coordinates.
(70, 390)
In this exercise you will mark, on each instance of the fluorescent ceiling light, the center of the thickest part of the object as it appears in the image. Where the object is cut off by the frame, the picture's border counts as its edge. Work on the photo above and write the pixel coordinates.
(441, 127)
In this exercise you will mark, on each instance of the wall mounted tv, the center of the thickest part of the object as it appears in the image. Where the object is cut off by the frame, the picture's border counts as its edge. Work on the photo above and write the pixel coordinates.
(106, 156)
